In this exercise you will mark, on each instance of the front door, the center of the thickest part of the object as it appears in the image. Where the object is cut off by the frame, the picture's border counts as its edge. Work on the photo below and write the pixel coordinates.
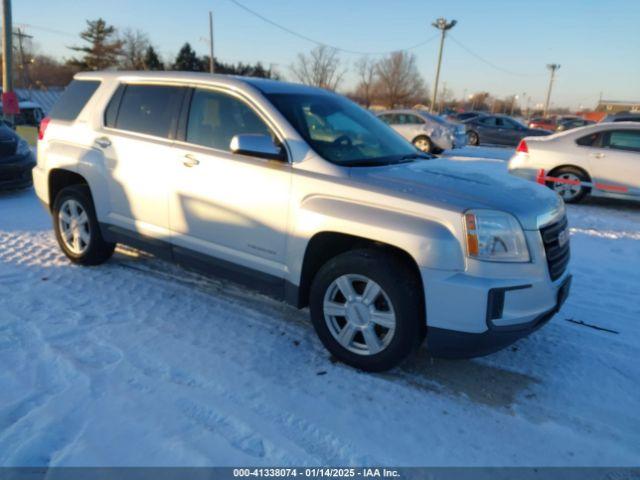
(228, 206)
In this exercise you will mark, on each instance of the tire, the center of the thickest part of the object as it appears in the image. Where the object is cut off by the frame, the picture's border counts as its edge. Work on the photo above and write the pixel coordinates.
(570, 193)
(398, 305)
(423, 143)
(76, 227)
(473, 138)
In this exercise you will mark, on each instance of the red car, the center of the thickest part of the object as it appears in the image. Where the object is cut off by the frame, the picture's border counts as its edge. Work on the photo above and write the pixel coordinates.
(543, 123)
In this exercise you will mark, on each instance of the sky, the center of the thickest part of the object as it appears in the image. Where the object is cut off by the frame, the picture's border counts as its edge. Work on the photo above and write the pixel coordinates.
(596, 42)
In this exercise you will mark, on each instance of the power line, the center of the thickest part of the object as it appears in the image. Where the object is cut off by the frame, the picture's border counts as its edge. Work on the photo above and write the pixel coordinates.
(487, 62)
(321, 44)
(46, 29)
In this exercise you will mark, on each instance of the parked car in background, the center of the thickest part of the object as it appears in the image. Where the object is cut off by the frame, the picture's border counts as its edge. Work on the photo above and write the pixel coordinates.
(622, 117)
(16, 159)
(599, 160)
(429, 133)
(543, 123)
(569, 123)
(31, 114)
(498, 130)
(226, 175)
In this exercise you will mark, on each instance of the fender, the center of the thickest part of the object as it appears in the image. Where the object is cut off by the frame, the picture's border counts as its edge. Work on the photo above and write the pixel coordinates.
(430, 243)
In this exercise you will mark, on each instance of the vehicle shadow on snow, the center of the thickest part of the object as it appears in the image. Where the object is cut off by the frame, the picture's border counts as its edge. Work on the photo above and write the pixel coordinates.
(478, 382)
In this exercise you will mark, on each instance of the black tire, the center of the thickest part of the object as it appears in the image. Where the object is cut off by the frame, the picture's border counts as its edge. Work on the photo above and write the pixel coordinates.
(473, 138)
(398, 283)
(424, 144)
(572, 173)
(97, 250)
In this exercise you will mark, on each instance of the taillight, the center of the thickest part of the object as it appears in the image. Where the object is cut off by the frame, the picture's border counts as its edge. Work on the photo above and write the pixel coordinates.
(43, 126)
(522, 147)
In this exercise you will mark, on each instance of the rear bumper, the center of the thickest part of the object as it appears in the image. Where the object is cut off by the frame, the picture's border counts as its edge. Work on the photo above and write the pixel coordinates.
(447, 343)
(15, 172)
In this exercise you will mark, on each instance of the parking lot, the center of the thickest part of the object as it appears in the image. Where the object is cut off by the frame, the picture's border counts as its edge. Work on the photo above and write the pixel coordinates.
(138, 362)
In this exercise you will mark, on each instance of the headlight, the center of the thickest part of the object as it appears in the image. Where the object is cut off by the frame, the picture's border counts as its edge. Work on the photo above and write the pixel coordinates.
(495, 237)
(23, 147)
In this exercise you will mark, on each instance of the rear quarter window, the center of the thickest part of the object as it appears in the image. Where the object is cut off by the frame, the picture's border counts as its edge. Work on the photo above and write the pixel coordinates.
(73, 100)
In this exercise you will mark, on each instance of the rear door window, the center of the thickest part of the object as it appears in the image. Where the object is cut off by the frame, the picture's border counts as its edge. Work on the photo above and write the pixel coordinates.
(73, 100)
(488, 121)
(149, 109)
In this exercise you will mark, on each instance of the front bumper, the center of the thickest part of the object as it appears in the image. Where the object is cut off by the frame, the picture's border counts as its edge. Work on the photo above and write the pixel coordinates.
(447, 343)
(15, 171)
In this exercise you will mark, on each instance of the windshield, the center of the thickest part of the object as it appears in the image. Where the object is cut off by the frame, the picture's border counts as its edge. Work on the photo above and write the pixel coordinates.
(342, 132)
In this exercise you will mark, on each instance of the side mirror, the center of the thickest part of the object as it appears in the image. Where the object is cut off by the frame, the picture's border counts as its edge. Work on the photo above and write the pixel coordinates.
(256, 145)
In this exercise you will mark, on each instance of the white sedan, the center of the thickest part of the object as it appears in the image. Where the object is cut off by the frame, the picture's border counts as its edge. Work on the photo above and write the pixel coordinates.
(427, 132)
(598, 160)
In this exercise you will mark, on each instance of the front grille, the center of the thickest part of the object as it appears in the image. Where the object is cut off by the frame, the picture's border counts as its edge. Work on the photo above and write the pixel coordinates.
(557, 255)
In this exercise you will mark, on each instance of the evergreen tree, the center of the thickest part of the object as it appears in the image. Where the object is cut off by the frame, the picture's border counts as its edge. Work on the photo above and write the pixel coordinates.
(187, 60)
(102, 50)
(151, 60)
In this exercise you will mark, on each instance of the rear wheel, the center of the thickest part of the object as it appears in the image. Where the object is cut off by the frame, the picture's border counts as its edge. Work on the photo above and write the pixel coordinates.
(571, 191)
(366, 307)
(76, 227)
(424, 144)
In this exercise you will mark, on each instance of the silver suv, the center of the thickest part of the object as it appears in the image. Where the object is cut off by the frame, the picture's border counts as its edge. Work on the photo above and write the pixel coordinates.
(304, 195)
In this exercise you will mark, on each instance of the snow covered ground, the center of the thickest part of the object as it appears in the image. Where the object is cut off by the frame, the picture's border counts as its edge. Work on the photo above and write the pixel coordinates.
(138, 362)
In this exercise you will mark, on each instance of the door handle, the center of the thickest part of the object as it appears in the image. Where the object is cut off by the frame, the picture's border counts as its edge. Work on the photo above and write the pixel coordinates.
(190, 161)
(103, 142)
(597, 155)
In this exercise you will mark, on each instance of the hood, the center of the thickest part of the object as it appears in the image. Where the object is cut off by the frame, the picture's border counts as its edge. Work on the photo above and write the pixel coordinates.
(460, 186)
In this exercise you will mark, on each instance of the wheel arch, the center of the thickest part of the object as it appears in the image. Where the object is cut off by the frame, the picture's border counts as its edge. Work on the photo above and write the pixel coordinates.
(556, 169)
(324, 246)
(60, 178)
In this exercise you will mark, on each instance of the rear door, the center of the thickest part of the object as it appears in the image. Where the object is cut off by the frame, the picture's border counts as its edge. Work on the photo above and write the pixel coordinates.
(616, 163)
(137, 142)
(409, 125)
(488, 130)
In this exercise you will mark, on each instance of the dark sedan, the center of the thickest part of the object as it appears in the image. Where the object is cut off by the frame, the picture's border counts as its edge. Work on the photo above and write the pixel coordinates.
(16, 160)
(499, 130)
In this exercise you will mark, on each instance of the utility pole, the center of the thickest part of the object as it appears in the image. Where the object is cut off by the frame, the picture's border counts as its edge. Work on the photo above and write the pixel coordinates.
(552, 67)
(442, 25)
(7, 74)
(212, 63)
(24, 66)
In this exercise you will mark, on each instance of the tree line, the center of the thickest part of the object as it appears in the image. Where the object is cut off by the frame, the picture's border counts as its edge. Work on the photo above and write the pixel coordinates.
(104, 47)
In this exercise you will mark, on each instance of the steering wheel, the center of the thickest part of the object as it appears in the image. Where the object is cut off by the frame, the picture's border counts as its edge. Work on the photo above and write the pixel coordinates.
(343, 140)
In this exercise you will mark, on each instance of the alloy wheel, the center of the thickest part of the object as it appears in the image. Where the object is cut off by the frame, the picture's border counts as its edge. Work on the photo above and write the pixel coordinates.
(359, 314)
(566, 190)
(74, 226)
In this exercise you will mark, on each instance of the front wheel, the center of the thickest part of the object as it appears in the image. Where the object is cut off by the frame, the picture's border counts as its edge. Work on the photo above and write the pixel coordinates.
(366, 307)
(76, 227)
(473, 139)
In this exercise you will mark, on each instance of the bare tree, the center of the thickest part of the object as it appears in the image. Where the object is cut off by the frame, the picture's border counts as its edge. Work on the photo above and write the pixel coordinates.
(321, 68)
(134, 48)
(366, 69)
(399, 81)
